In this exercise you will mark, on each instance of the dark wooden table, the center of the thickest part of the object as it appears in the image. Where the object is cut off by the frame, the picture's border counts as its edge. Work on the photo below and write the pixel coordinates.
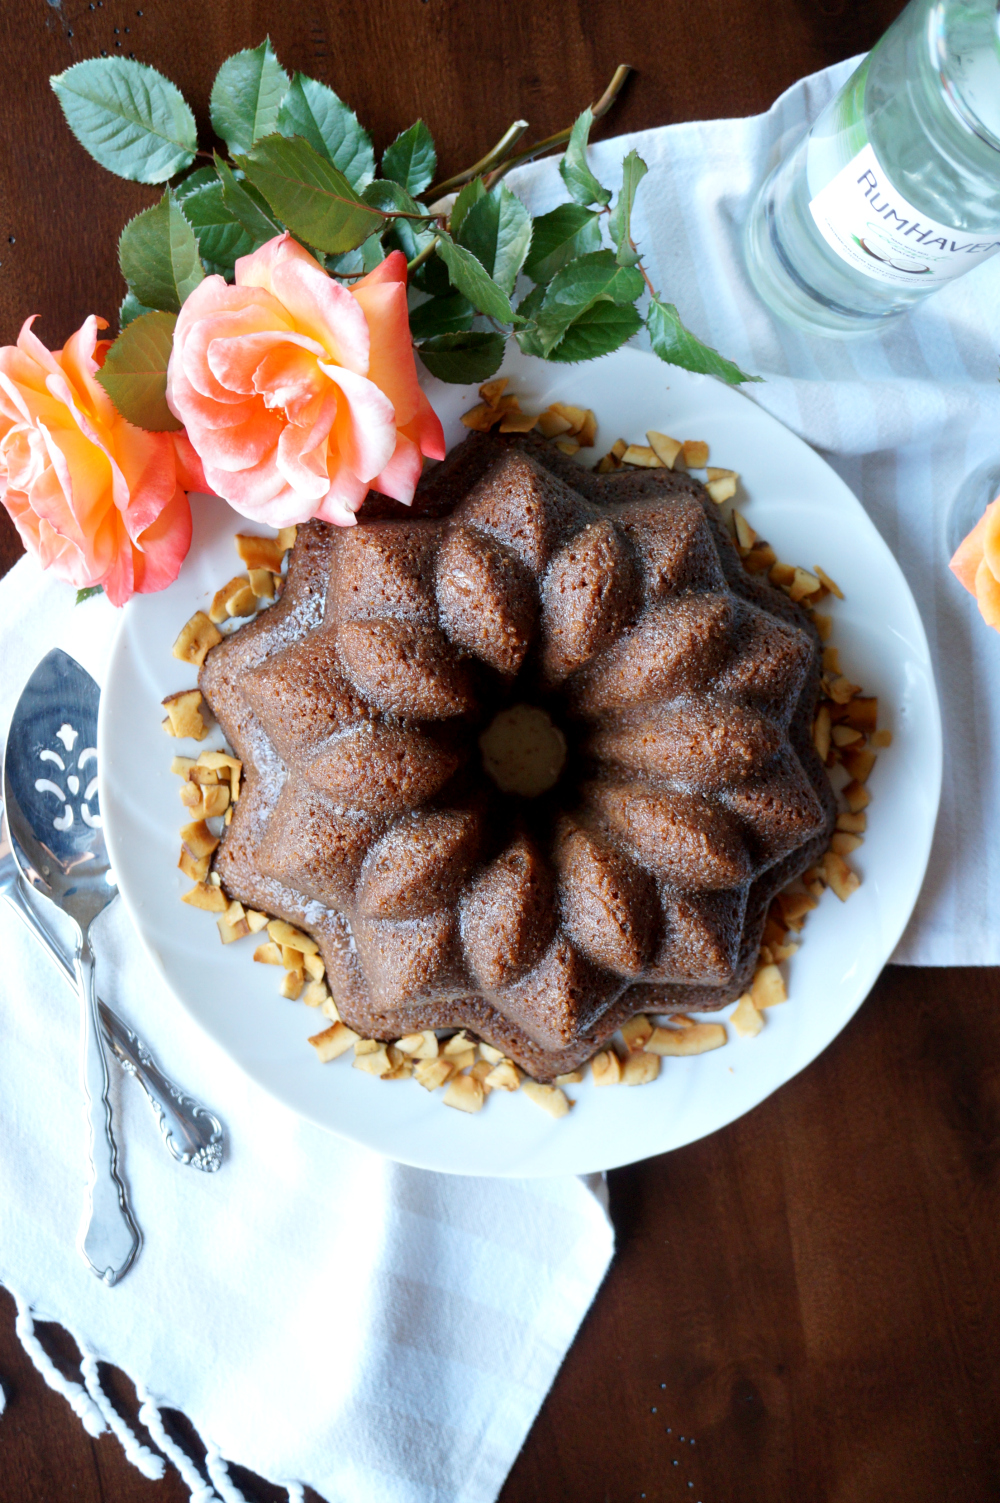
(803, 1307)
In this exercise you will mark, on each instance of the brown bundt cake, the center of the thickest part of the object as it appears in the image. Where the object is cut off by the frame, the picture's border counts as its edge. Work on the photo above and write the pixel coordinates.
(602, 630)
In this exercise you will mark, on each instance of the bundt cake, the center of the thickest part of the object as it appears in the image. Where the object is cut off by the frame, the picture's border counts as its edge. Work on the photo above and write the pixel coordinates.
(527, 759)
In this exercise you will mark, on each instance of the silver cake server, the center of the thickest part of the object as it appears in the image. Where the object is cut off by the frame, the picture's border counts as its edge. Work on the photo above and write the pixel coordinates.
(50, 799)
(192, 1134)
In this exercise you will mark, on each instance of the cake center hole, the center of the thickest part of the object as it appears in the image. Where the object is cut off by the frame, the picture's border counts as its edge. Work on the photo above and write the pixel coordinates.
(523, 752)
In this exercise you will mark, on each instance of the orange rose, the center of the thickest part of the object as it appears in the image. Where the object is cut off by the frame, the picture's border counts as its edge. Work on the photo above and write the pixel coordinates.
(94, 498)
(977, 563)
(300, 393)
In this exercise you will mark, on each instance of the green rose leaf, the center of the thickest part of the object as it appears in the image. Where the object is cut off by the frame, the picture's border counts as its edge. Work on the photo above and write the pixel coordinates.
(441, 315)
(247, 95)
(134, 373)
(581, 182)
(463, 358)
(130, 308)
(87, 592)
(195, 180)
(158, 254)
(603, 327)
(497, 230)
(559, 237)
(470, 194)
(678, 346)
(579, 285)
(311, 196)
(634, 170)
(221, 237)
(468, 277)
(411, 160)
(432, 276)
(130, 118)
(410, 235)
(527, 309)
(246, 205)
(314, 112)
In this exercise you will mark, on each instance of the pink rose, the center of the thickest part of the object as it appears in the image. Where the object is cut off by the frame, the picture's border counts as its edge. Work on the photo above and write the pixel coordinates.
(94, 498)
(300, 393)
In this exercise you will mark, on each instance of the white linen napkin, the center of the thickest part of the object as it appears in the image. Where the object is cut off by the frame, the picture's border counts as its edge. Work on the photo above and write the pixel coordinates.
(320, 1314)
(903, 416)
(323, 1316)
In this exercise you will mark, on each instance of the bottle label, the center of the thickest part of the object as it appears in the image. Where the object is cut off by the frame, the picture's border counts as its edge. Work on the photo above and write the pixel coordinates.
(870, 225)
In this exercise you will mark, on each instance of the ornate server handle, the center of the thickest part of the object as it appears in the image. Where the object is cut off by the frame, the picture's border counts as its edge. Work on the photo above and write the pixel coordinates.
(192, 1133)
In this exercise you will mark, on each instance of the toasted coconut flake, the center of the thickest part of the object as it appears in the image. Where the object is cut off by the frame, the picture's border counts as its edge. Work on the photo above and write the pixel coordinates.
(550, 1098)
(184, 716)
(328, 1008)
(745, 535)
(571, 1077)
(492, 391)
(481, 418)
(481, 1071)
(464, 1061)
(843, 881)
(857, 797)
(205, 895)
(230, 930)
(262, 583)
(768, 988)
(843, 844)
(291, 986)
(420, 1045)
(781, 574)
(567, 446)
(287, 934)
(215, 801)
(831, 660)
(640, 1069)
(465, 1093)
(333, 1041)
(293, 960)
(587, 432)
(182, 765)
(257, 921)
(198, 838)
(639, 454)
(314, 967)
(229, 767)
(259, 552)
(664, 447)
(760, 558)
(267, 954)
(457, 1045)
(431, 1073)
(721, 490)
(698, 1039)
(575, 416)
(236, 598)
(882, 739)
(846, 735)
(822, 575)
(195, 639)
(716, 474)
(794, 907)
(858, 763)
(286, 537)
(695, 453)
(504, 1076)
(196, 870)
(373, 1062)
(314, 994)
(823, 625)
(840, 689)
(551, 423)
(606, 465)
(746, 1020)
(783, 952)
(618, 449)
(854, 824)
(519, 422)
(636, 1031)
(802, 585)
(861, 713)
(606, 1068)
(489, 1053)
(821, 732)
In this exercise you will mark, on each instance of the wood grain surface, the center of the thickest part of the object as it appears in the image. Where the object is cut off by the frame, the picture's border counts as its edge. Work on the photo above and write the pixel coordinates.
(803, 1307)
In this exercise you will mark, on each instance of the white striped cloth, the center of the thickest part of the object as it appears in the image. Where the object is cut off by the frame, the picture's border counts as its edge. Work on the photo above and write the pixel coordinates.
(323, 1316)
(903, 416)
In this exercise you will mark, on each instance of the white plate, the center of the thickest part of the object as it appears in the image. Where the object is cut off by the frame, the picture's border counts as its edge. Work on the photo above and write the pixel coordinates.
(792, 498)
